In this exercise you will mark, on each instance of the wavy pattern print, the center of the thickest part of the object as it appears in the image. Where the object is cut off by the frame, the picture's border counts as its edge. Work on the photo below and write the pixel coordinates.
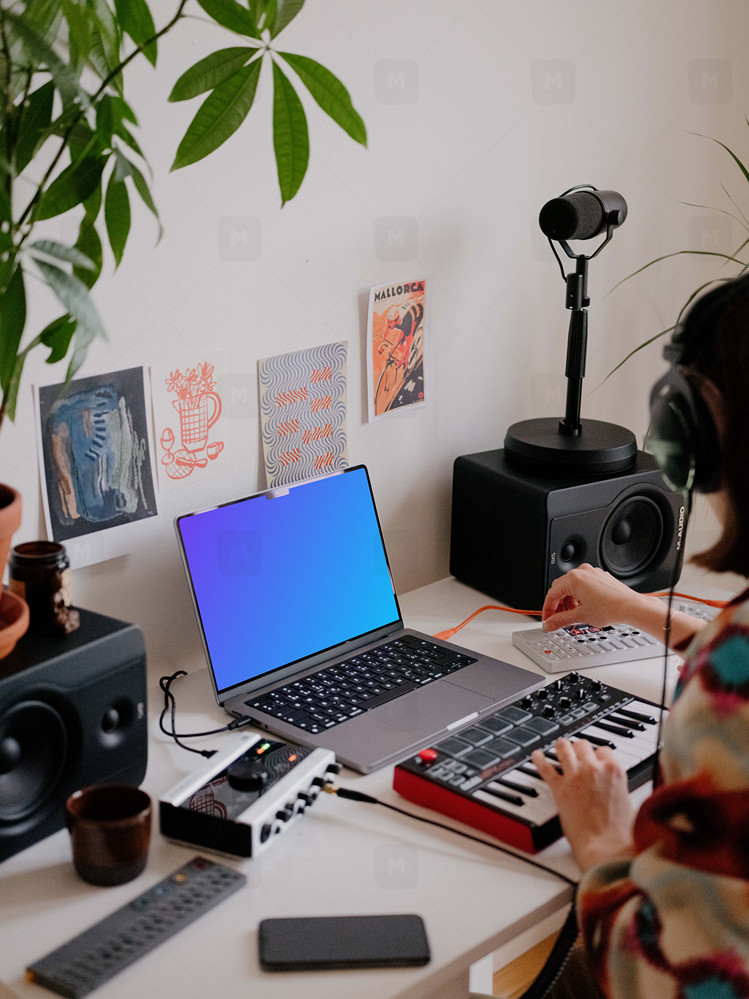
(303, 409)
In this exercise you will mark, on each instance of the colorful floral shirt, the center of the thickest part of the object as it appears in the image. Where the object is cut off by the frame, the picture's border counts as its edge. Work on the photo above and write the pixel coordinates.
(673, 920)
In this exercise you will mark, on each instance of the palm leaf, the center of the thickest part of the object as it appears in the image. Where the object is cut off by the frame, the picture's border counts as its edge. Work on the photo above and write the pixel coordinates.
(219, 116)
(290, 136)
(329, 93)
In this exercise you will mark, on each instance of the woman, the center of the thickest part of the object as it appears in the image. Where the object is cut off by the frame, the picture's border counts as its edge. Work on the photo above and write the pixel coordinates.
(663, 904)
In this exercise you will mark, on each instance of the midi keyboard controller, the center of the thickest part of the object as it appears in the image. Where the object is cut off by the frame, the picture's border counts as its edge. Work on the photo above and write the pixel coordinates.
(483, 775)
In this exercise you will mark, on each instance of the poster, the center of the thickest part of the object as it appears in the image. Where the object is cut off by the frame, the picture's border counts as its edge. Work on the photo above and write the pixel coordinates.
(95, 463)
(187, 415)
(303, 406)
(396, 327)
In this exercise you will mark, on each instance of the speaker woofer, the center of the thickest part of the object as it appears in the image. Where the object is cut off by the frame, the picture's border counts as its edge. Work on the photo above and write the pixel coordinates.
(631, 537)
(33, 750)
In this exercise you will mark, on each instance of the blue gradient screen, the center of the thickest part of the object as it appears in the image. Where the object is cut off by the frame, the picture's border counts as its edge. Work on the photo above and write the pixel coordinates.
(279, 578)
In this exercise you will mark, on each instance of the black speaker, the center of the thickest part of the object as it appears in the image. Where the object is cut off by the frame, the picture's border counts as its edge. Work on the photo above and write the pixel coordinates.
(515, 528)
(72, 713)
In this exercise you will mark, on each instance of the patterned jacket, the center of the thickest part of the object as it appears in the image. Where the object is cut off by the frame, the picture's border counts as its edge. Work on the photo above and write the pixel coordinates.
(673, 920)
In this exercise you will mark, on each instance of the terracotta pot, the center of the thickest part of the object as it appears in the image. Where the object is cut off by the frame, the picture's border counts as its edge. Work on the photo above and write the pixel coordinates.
(10, 521)
(14, 614)
(14, 621)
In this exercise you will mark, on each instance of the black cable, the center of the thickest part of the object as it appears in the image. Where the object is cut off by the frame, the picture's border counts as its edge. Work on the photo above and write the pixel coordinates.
(343, 792)
(560, 952)
(170, 704)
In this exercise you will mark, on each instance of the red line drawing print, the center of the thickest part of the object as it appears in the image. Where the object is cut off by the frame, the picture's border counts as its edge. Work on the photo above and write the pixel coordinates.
(290, 457)
(293, 395)
(322, 402)
(199, 407)
(323, 460)
(321, 375)
(287, 427)
(317, 433)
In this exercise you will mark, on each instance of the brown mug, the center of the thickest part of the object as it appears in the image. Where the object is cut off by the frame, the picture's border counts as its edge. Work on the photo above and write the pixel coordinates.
(110, 829)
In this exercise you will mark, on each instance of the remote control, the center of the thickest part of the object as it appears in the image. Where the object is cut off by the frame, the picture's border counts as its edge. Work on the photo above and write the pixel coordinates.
(117, 941)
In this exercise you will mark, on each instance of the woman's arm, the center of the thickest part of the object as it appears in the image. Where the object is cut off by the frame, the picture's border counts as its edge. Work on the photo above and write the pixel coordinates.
(590, 595)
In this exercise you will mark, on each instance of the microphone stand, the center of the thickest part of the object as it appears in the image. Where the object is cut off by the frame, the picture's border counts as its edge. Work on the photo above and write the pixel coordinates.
(591, 447)
(577, 345)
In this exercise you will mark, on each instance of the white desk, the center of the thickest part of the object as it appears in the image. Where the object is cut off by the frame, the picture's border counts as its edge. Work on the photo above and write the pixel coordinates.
(341, 857)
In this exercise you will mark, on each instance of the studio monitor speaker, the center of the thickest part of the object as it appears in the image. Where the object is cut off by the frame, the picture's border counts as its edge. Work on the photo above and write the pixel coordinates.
(515, 528)
(72, 713)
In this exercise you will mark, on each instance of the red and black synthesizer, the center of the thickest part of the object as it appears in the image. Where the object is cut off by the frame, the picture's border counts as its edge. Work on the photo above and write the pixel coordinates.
(483, 775)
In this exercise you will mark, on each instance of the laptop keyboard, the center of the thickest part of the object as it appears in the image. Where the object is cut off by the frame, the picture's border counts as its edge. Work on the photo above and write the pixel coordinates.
(336, 693)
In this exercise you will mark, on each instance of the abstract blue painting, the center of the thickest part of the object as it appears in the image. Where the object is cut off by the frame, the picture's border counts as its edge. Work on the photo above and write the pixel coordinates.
(96, 457)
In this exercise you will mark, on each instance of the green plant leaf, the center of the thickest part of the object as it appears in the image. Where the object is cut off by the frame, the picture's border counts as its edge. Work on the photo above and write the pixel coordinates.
(104, 55)
(73, 186)
(75, 298)
(35, 123)
(219, 116)
(329, 93)
(286, 11)
(12, 322)
(141, 186)
(117, 216)
(42, 53)
(730, 152)
(678, 253)
(136, 21)
(290, 136)
(45, 15)
(231, 15)
(89, 244)
(57, 336)
(79, 31)
(209, 72)
(70, 254)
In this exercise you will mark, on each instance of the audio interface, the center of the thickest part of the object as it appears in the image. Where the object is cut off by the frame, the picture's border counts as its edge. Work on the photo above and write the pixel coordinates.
(245, 796)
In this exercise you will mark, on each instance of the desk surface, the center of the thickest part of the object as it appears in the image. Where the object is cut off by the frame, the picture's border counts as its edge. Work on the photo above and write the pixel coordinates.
(341, 857)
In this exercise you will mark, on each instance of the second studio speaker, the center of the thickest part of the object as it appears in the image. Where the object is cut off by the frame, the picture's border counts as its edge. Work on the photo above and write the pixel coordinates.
(72, 713)
(514, 529)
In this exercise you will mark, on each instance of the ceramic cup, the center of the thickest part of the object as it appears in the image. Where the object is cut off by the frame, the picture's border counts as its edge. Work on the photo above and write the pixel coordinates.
(110, 829)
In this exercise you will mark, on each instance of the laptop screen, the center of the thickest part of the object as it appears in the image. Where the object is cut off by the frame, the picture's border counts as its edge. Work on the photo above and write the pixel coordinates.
(287, 574)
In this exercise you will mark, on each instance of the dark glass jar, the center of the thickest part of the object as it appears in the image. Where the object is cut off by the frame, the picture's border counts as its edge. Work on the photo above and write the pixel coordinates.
(40, 573)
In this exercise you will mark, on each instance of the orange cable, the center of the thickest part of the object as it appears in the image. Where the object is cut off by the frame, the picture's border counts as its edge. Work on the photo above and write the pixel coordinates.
(449, 632)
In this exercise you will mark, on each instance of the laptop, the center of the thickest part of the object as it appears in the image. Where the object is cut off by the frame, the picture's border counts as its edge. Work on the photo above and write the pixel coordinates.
(303, 632)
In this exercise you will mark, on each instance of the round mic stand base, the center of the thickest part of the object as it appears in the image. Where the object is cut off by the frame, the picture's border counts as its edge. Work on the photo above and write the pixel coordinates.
(596, 449)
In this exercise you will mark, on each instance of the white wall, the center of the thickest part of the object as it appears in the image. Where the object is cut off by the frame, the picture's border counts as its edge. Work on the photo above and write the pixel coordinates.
(478, 111)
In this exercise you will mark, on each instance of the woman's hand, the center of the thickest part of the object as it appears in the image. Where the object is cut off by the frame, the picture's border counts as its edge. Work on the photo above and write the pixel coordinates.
(588, 595)
(593, 800)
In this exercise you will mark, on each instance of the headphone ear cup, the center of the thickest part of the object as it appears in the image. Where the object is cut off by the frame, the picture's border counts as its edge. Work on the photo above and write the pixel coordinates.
(682, 435)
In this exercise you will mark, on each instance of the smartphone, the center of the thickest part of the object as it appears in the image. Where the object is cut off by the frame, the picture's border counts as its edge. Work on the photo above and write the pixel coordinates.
(318, 942)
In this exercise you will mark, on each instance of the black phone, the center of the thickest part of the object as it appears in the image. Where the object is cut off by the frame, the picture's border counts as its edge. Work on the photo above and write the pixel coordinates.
(317, 942)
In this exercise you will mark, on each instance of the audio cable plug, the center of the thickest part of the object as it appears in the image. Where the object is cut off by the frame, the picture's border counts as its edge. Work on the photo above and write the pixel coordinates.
(343, 792)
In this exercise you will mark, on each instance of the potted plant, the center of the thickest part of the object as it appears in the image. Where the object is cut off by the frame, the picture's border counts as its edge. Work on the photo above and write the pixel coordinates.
(737, 262)
(68, 132)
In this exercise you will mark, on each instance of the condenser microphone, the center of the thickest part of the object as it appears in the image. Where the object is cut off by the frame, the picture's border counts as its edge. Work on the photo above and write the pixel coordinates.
(582, 214)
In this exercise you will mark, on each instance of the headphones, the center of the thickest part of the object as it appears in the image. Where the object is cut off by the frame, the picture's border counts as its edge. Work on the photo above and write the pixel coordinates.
(682, 436)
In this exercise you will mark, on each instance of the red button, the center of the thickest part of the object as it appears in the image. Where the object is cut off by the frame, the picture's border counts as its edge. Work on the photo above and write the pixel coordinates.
(428, 755)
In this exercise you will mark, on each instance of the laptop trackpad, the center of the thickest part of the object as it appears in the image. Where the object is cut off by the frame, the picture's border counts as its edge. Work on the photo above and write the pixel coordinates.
(432, 708)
